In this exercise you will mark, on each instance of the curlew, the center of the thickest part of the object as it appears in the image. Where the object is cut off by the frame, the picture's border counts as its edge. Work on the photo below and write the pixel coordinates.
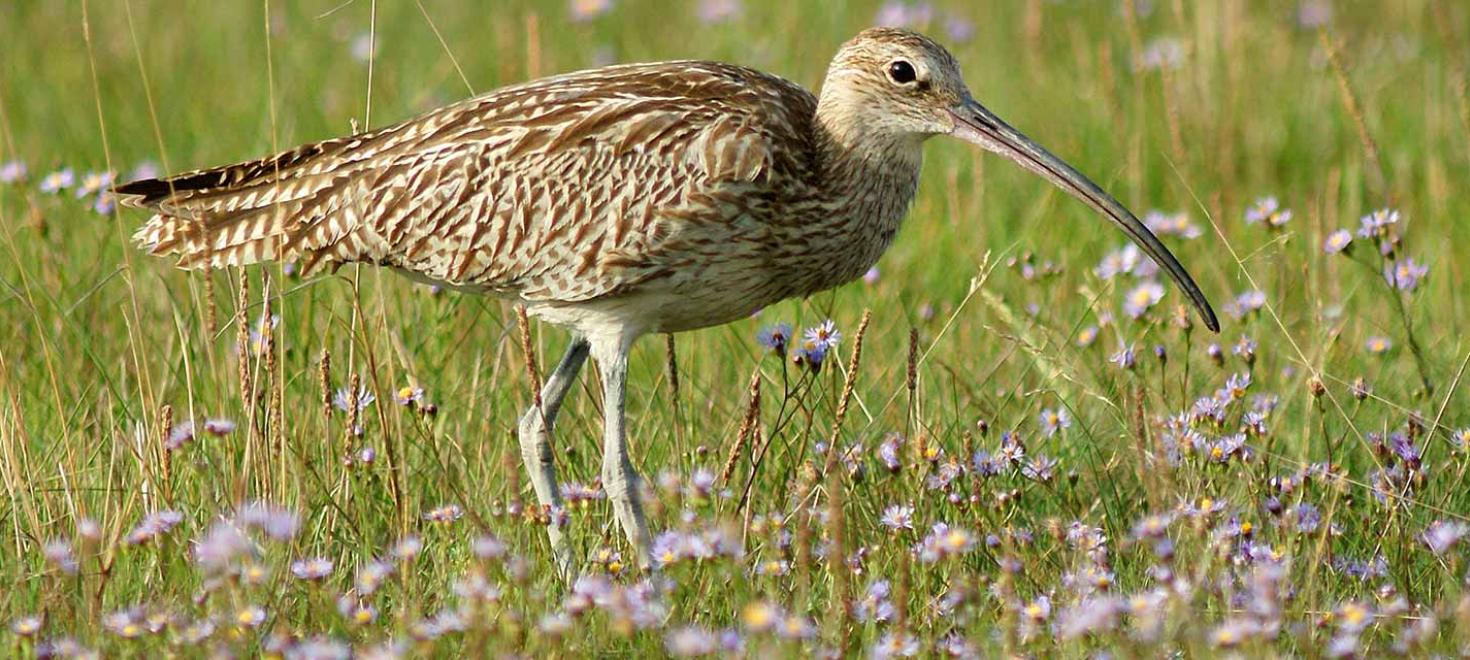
(618, 202)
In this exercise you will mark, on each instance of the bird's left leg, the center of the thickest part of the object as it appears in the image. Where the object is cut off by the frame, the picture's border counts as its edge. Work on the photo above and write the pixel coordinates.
(535, 437)
(619, 479)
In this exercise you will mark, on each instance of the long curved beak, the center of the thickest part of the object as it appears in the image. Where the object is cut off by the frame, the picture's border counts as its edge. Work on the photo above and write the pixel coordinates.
(974, 123)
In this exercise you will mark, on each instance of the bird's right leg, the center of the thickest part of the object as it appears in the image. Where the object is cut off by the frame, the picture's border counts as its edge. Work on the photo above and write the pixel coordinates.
(535, 436)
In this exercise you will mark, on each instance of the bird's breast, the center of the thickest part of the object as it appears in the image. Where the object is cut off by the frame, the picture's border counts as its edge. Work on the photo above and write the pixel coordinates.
(847, 235)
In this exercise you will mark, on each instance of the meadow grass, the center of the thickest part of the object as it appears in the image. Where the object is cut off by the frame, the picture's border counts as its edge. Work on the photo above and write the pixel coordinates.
(1017, 470)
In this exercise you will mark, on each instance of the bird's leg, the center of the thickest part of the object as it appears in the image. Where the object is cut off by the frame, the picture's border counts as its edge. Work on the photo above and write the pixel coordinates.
(619, 479)
(535, 437)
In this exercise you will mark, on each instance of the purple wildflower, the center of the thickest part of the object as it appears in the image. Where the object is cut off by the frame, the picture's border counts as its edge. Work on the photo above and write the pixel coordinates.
(154, 525)
(718, 11)
(58, 181)
(312, 568)
(1125, 357)
(824, 335)
(897, 517)
(1171, 224)
(344, 398)
(1337, 241)
(775, 337)
(1405, 274)
(1443, 535)
(444, 514)
(1268, 211)
(1054, 421)
(1141, 298)
(13, 171)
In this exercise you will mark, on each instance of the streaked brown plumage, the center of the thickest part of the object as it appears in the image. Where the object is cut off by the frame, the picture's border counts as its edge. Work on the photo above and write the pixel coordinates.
(617, 202)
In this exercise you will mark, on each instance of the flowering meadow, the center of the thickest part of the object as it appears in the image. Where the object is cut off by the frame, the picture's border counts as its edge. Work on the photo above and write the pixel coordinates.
(1010, 438)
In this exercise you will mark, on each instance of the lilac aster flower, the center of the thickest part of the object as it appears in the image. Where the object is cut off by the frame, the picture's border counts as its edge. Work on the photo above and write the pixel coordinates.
(1039, 468)
(444, 514)
(1247, 303)
(690, 642)
(104, 204)
(1313, 14)
(58, 553)
(945, 541)
(774, 337)
(1171, 224)
(1378, 224)
(144, 170)
(1118, 262)
(154, 525)
(1268, 211)
(1160, 54)
(408, 395)
(895, 645)
(371, 576)
(1087, 336)
(182, 434)
(1236, 386)
(275, 522)
(958, 29)
(311, 569)
(58, 181)
(26, 626)
(904, 14)
(825, 335)
(1011, 450)
(219, 426)
(810, 355)
(1141, 298)
(1125, 357)
(1054, 421)
(221, 547)
(344, 399)
(1405, 274)
(1308, 517)
(93, 183)
(1245, 349)
(898, 517)
(888, 452)
(1337, 241)
(488, 547)
(1404, 448)
(1443, 535)
(1038, 610)
(12, 171)
(718, 11)
(875, 604)
(586, 10)
(1377, 345)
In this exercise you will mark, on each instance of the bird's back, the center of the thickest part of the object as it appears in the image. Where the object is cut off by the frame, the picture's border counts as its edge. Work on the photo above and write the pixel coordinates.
(561, 189)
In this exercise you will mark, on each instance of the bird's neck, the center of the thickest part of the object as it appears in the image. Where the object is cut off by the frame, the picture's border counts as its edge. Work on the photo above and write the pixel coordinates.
(872, 174)
(865, 182)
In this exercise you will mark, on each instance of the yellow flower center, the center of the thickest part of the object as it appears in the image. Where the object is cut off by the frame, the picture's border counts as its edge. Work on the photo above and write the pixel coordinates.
(757, 615)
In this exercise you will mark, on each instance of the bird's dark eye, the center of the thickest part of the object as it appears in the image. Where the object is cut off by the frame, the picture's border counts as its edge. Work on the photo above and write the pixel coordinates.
(902, 72)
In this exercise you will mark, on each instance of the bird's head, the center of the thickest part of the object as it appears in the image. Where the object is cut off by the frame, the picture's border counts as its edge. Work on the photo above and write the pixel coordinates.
(895, 88)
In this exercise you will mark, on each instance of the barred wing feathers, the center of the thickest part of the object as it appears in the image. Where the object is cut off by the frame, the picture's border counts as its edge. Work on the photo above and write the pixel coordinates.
(566, 188)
